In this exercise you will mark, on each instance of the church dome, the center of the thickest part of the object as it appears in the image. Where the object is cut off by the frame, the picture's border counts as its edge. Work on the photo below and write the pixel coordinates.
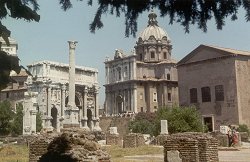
(153, 29)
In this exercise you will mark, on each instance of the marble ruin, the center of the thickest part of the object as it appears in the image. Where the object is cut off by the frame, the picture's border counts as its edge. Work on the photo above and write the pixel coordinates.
(30, 110)
(67, 94)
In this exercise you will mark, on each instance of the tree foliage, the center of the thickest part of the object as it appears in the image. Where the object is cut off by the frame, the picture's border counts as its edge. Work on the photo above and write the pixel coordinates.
(143, 123)
(6, 115)
(184, 12)
(17, 125)
(180, 119)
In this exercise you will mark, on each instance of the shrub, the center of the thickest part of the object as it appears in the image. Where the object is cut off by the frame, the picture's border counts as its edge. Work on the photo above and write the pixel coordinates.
(6, 116)
(17, 125)
(243, 128)
(180, 119)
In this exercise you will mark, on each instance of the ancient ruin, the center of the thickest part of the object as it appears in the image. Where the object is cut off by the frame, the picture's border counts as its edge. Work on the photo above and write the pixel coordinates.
(67, 94)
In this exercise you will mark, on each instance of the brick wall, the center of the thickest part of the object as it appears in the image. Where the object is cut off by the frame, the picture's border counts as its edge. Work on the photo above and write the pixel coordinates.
(113, 139)
(38, 147)
(133, 140)
(193, 147)
(75, 145)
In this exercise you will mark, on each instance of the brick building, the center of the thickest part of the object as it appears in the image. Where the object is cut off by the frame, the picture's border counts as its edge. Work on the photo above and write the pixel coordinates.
(215, 80)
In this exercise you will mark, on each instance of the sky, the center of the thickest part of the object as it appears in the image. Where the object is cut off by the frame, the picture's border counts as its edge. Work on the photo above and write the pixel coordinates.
(47, 39)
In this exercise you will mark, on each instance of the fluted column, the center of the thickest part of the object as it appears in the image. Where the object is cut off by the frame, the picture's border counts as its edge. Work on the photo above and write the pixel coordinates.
(72, 112)
(135, 99)
(49, 102)
(84, 120)
(63, 99)
(97, 119)
(72, 46)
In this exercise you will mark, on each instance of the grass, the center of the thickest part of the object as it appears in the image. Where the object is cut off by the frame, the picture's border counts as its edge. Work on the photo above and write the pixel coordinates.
(20, 153)
(118, 153)
(14, 153)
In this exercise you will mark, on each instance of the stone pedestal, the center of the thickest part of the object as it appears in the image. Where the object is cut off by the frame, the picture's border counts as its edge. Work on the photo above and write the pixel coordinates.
(84, 124)
(97, 126)
(72, 117)
(48, 127)
(164, 127)
(30, 110)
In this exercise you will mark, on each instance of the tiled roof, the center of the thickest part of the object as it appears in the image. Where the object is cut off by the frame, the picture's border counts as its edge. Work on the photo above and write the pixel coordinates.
(233, 51)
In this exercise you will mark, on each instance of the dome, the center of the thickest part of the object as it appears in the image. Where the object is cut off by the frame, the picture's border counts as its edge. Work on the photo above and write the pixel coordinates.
(153, 29)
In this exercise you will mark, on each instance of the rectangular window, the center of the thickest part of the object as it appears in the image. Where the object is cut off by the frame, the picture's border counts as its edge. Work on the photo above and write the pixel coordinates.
(141, 109)
(169, 97)
(205, 94)
(165, 55)
(193, 95)
(141, 57)
(168, 76)
(155, 97)
(152, 54)
(219, 93)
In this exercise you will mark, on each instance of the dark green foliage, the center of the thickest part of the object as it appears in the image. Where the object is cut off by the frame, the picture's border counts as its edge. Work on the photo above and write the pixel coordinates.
(180, 119)
(17, 125)
(143, 123)
(184, 12)
(243, 128)
(7, 63)
(39, 122)
(6, 115)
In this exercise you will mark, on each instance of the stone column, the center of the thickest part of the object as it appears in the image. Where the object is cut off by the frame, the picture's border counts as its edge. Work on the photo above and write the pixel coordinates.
(72, 46)
(63, 91)
(63, 99)
(72, 111)
(134, 99)
(97, 119)
(84, 120)
(49, 102)
(48, 118)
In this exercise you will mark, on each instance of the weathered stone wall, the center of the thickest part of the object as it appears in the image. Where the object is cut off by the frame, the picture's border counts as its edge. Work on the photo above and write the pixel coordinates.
(193, 147)
(160, 139)
(209, 74)
(133, 140)
(72, 145)
(120, 122)
(38, 147)
(113, 139)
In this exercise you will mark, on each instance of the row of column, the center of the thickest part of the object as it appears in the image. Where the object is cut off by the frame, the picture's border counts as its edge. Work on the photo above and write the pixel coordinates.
(112, 105)
(83, 112)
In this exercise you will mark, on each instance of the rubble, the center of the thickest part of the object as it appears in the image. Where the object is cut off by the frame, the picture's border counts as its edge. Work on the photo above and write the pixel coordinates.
(69, 146)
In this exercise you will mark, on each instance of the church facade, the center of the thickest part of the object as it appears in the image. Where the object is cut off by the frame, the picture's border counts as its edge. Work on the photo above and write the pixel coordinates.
(51, 81)
(145, 80)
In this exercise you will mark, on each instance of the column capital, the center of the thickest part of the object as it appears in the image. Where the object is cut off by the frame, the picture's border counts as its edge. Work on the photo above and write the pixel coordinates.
(72, 44)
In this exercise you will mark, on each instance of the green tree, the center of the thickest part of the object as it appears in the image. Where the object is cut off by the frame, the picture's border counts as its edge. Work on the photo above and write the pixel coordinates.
(39, 122)
(243, 128)
(143, 123)
(180, 119)
(6, 115)
(17, 125)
